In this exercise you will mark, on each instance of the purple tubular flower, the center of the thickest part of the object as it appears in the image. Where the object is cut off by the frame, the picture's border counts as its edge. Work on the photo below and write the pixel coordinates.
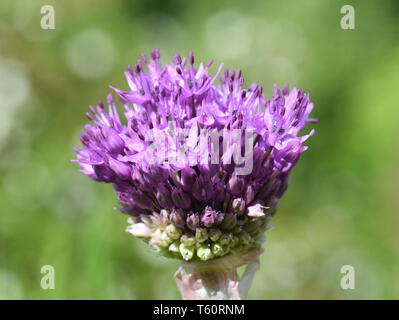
(188, 177)
(164, 197)
(142, 201)
(218, 191)
(121, 169)
(104, 173)
(236, 185)
(164, 157)
(181, 199)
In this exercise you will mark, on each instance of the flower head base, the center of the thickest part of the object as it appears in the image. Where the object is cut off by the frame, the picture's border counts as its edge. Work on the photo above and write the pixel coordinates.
(201, 242)
(199, 167)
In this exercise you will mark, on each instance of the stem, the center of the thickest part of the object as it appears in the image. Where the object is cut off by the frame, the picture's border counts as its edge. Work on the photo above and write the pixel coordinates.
(218, 279)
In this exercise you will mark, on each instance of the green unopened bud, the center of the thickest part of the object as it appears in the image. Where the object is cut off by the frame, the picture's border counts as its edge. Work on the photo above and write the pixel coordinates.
(245, 238)
(230, 221)
(235, 240)
(174, 247)
(204, 252)
(218, 250)
(201, 234)
(158, 238)
(173, 232)
(242, 221)
(186, 252)
(187, 240)
(237, 229)
(253, 225)
(165, 240)
(214, 234)
(226, 239)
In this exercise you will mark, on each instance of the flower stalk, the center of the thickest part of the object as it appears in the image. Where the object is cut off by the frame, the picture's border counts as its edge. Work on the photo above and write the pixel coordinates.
(218, 279)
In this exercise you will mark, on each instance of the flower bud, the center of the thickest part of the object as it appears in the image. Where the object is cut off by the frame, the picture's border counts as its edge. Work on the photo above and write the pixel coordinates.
(186, 252)
(173, 232)
(268, 190)
(214, 234)
(238, 206)
(164, 197)
(226, 239)
(245, 238)
(164, 216)
(159, 238)
(154, 219)
(234, 241)
(201, 234)
(104, 173)
(208, 169)
(181, 199)
(140, 230)
(142, 201)
(236, 185)
(177, 59)
(218, 249)
(155, 54)
(174, 247)
(229, 221)
(209, 217)
(187, 240)
(202, 188)
(198, 191)
(237, 229)
(243, 220)
(188, 176)
(165, 239)
(218, 192)
(139, 177)
(204, 252)
(249, 194)
(177, 217)
(191, 57)
(253, 226)
(192, 221)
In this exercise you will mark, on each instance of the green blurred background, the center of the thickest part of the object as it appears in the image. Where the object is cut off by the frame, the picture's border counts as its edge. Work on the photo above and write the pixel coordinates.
(342, 204)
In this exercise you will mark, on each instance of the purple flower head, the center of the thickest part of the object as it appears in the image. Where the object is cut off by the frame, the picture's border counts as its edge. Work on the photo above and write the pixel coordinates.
(191, 157)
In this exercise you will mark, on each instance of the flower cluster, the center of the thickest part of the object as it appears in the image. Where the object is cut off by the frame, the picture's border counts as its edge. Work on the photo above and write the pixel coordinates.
(187, 198)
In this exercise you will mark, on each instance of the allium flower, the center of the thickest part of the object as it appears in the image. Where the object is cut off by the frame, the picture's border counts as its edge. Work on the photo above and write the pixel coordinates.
(176, 159)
